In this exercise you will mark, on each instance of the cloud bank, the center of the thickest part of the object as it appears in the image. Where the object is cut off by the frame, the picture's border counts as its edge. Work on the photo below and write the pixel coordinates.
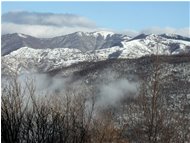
(169, 30)
(49, 25)
(111, 93)
(45, 24)
(43, 31)
(158, 30)
(48, 19)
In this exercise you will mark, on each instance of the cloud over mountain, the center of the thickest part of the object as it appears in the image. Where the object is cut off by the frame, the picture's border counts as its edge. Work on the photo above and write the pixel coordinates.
(45, 24)
(169, 30)
(159, 30)
(48, 19)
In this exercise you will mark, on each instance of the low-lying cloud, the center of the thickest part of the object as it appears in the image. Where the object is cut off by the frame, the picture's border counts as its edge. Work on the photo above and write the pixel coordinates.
(44, 84)
(114, 91)
(42, 31)
(48, 19)
(46, 25)
(158, 30)
(169, 30)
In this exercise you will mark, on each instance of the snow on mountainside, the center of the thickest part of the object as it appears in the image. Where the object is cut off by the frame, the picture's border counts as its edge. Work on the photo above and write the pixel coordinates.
(47, 59)
(22, 35)
(156, 44)
(102, 33)
(84, 41)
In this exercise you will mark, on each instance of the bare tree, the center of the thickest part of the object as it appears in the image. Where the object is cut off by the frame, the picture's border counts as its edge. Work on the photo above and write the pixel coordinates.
(150, 118)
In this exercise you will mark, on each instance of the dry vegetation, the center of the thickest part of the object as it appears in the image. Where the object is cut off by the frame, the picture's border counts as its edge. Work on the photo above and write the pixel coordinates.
(67, 117)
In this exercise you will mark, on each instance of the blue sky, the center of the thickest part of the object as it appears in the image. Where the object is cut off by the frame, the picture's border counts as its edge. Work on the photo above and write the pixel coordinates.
(115, 15)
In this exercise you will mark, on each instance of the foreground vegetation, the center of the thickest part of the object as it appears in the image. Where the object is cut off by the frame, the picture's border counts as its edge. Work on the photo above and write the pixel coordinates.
(73, 117)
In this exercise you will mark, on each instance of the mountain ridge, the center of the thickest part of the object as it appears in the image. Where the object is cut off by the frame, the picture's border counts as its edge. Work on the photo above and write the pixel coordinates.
(22, 51)
(84, 41)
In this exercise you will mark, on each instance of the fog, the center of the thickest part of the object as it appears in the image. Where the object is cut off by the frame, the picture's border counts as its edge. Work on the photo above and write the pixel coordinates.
(109, 92)
(43, 83)
(114, 91)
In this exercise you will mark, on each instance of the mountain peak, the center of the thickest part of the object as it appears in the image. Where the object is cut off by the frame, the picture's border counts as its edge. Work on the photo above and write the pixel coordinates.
(140, 36)
(80, 33)
(90, 41)
(95, 33)
(103, 33)
(175, 36)
(22, 35)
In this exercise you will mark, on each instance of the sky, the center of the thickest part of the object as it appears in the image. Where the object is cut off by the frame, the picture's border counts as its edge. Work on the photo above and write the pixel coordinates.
(123, 17)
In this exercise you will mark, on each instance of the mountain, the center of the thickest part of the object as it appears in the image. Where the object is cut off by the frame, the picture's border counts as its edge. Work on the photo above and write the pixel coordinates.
(83, 41)
(130, 63)
(174, 36)
(107, 73)
(90, 41)
(158, 44)
(12, 42)
(22, 51)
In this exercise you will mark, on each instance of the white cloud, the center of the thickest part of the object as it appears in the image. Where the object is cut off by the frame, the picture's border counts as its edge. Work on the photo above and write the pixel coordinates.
(159, 30)
(45, 25)
(169, 30)
(50, 19)
(43, 31)
(130, 32)
(50, 25)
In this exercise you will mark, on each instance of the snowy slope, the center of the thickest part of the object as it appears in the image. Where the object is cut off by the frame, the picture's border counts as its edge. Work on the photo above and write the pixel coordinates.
(104, 34)
(47, 59)
(156, 44)
(83, 41)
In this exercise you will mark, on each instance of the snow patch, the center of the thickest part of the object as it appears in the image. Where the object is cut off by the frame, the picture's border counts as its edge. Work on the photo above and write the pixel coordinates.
(22, 35)
(103, 33)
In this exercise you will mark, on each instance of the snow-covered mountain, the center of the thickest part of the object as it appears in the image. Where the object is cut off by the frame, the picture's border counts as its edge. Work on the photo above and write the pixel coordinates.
(83, 41)
(23, 51)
